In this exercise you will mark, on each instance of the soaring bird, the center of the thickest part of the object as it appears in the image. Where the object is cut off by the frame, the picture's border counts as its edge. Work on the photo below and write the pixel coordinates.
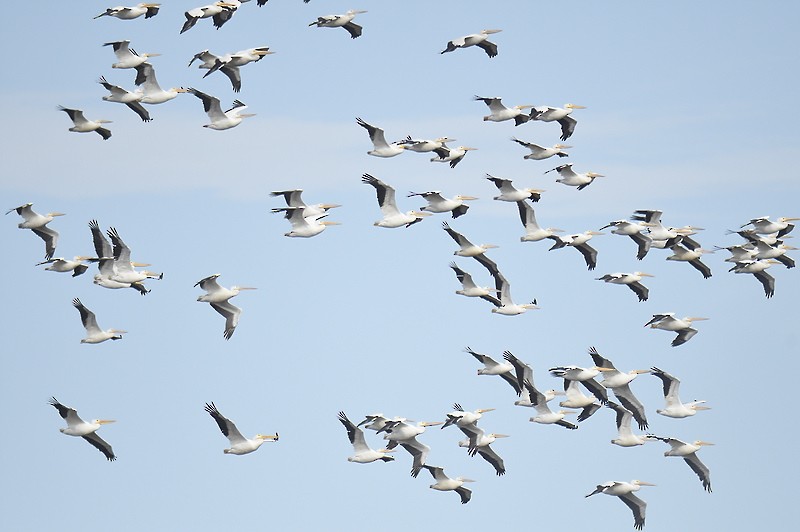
(585, 376)
(625, 436)
(363, 454)
(757, 267)
(470, 289)
(572, 178)
(765, 226)
(88, 431)
(474, 39)
(239, 444)
(82, 125)
(692, 256)
(38, 224)
(501, 113)
(579, 242)
(507, 306)
(631, 280)
(445, 483)
(108, 266)
(450, 155)
(94, 334)
(294, 198)
(341, 21)
(219, 120)
(404, 433)
(151, 91)
(392, 217)
(130, 99)
(381, 148)
(229, 64)
(576, 399)
(510, 193)
(505, 370)
(218, 297)
(438, 203)
(219, 12)
(688, 451)
(123, 267)
(423, 145)
(668, 322)
(533, 233)
(558, 114)
(304, 226)
(467, 248)
(126, 57)
(129, 13)
(674, 407)
(618, 381)
(624, 490)
(539, 153)
(635, 232)
(62, 265)
(543, 413)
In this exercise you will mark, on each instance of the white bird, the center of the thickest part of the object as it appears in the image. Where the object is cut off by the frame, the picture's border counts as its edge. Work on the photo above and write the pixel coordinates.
(107, 265)
(765, 226)
(479, 442)
(219, 120)
(656, 230)
(544, 415)
(674, 407)
(625, 436)
(505, 370)
(507, 306)
(294, 198)
(438, 203)
(374, 421)
(470, 289)
(533, 233)
(692, 256)
(229, 64)
(474, 39)
(424, 145)
(403, 433)
(239, 444)
(381, 148)
(123, 267)
(219, 12)
(757, 267)
(88, 431)
(631, 280)
(558, 114)
(129, 13)
(341, 21)
(363, 453)
(668, 322)
(523, 373)
(38, 224)
(618, 382)
(509, 193)
(392, 217)
(304, 226)
(585, 376)
(576, 399)
(635, 232)
(218, 296)
(624, 490)
(572, 178)
(151, 91)
(501, 113)
(451, 155)
(82, 125)
(445, 483)
(130, 99)
(126, 57)
(688, 451)
(464, 418)
(777, 251)
(62, 265)
(467, 248)
(94, 334)
(579, 242)
(539, 153)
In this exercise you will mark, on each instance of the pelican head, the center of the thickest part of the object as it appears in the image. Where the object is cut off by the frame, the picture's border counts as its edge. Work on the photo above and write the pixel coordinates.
(573, 106)
(784, 219)
(641, 483)
(594, 174)
(327, 206)
(267, 437)
(430, 423)
(465, 148)
(643, 274)
(326, 223)
(54, 214)
(701, 443)
(178, 89)
(103, 421)
(561, 146)
(483, 410)
(521, 107)
(489, 32)
(419, 214)
(565, 412)
(240, 288)
(638, 371)
(598, 368)
(593, 233)
(494, 435)
(355, 11)
(470, 198)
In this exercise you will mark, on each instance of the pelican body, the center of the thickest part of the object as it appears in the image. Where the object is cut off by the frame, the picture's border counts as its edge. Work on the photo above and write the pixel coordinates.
(95, 334)
(445, 483)
(501, 113)
(392, 217)
(341, 21)
(239, 444)
(474, 39)
(219, 120)
(631, 280)
(624, 490)
(539, 153)
(130, 13)
(558, 114)
(218, 296)
(82, 125)
(674, 407)
(151, 92)
(38, 224)
(363, 454)
(571, 178)
(127, 57)
(381, 148)
(439, 204)
(668, 322)
(80, 428)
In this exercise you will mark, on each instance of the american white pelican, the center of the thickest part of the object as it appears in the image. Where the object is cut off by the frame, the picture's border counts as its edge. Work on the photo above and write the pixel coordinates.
(304, 226)
(374, 421)
(544, 415)
(94, 334)
(218, 297)
(765, 226)
(625, 436)
(740, 252)
(239, 444)
(692, 256)
(579, 242)
(576, 399)
(483, 447)
(474, 39)
(631, 280)
(500, 113)
(38, 224)
(438, 203)
(751, 236)
(219, 120)
(130, 99)
(757, 267)
(82, 125)
(668, 322)
(220, 12)
(507, 306)
(777, 252)
(657, 231)
(635, 232)
(450, 155)
(424, 145)
(107, 265)
(464, 418)
(618, 382)
(509, 193)
(624, 490)
(558, 114)
(151, 91)
(132, 12)
(467, 248)
(492, 367)
(229, 64)
(688, 451)
(445, 483)
(392, 217)
(126, 57)
(585, 376)
(539, 153)
(123, 267)
(381, 148)
(78, 427)
(572, 178)
(364, 455)
(470, 289)
(674, 407)
(533, 233)
(341, 21)
(522, 371)
(62, 265)
(294, 198)
(403, 433)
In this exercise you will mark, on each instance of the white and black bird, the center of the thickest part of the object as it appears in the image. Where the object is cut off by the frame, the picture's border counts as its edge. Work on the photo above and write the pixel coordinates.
(507, 306)
(82, 125)
(424, 145)
(381, 148)
(764, 226)
(624, 490)
(294, 198)
(80, 428)
(363, 453)
(636, 233)
(445, 483)
(539, 153)
(557, 114)
(466, 248)
(579, 242)
(304, 226)
(625, 436)
(130, 99)
(341, 21)
(533, 232)
(505, 370)
(631, 280)
(692, 256)
(618, 382)
(453, 156)
(38, 224)
(126, 56)
(229, 64)
(392, 217)
(510, 193)
(585, 376)
(668, 322)
(688, 451)
(221, 120)
(149, 10)
(94, 334)
(501, 113)
(572, 178)
(219, 12)
(470, 289)
(239, 444)
(474, 39)
(439, 204)
(62, 265)
(675, 408)
(151, 92)
(218, 297)
(757, 267)
(543, 413)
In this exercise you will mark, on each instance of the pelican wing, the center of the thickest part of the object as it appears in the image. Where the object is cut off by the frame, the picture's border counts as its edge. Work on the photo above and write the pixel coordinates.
(767, 281)
(491, 50)
(101, 445)
(417, 450)
(637, 506)
(700, 470)
(458, 237)
(87, 317)
(644, 242)
(629, 401)
(596, 389)
(464, 493)
(463, 277)
(589, 255)
(375, 134)
(524, 376)
(599, 360)
(488, 454)
(211, 105)
(567, 127)
(70, 415)
(624, 417)
(353, 29)
(50, 238)
(587, 412)
(386, 194)
(641, 291)
(209, 284)
(101, 245)
(702, 268)
(355, 434)
(234, 75)
(231, 313)
(671, 386)
(226, 426)
(122, 253)
(528, 216)
(684, 335)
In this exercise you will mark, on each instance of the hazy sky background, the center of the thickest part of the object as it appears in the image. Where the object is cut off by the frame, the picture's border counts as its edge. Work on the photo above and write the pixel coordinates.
(689, 110)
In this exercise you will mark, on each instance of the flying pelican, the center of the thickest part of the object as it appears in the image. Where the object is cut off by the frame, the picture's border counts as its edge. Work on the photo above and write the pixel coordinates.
(558, 114)
(579, 242)
(631, 280)
(492, 367)
(757, 267)
(381, 148)
(500, 113)
(618, 382)
(218, 297)
(470, 289)
(239, 444)
(293, 199)
(302, 225)
(688, 451)
(585, 376)
(778, 252)
(765, 226)
(572, 178)
(364, 455)
(675, 408)
(229, 64)
(95, 334)
(107, 265)
(539, 153)
(438, 203)
(62, 265)
(543, 413)
(682, 254)
(219, 120)
(82, 125)
(475, 39)
(509, 193)
(341, 21)
(533, 233)
(220, 13)
(635, 232)
(464, 418)
(657, 231)
(130, 13)
(151, 91)
(625, 437)
(523, 372)
(576, 399)
(130, 99)
(423, 145)
(507, 306)
(38, 224)
(468, 249)
(123, 267)
(483, 447)
(668, 322)
(445, 483)
(374, 421)
(450, 155)
(624, 490)
(403, 433)
(392, 217)
(126, 57)
(78, 427)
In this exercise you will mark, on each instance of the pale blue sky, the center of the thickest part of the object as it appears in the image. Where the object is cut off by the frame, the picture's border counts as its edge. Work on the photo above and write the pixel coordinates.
(689, 110)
